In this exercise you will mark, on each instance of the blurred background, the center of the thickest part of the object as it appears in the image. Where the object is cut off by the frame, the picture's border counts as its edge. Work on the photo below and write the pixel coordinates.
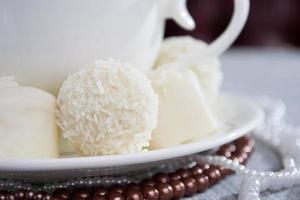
(271, 22)
(265, 60)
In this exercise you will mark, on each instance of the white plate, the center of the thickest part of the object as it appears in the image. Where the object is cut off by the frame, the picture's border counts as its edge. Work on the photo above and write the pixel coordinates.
(240, 116)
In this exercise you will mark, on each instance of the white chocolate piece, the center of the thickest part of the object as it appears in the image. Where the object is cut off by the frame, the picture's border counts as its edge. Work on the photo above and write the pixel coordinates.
(209, 74)
(183, 51)
(183, 112)
(27, 124)
(174, 48)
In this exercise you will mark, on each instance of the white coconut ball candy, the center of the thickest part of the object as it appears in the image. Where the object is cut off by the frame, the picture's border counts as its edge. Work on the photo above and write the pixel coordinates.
(208, 70)
(27, 123)
(107, 108)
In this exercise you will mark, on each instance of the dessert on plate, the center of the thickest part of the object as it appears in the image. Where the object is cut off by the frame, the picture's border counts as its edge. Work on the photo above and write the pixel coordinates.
(163, 98)
(111, 107)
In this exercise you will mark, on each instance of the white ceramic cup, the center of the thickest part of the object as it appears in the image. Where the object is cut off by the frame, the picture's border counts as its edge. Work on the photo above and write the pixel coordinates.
(43, 41)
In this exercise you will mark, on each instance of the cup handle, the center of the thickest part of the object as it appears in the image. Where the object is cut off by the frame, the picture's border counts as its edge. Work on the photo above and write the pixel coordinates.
(233, 30)
(178, 12)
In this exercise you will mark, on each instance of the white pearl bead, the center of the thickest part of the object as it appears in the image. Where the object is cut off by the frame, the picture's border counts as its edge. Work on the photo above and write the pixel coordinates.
(246, 171)
(98, 181)
(209, 159)
(253, 173)
(241, 169)
(228, 163)
(261, 174)
(222, 159)
(269, 174)
(235, 165)
(279, 175)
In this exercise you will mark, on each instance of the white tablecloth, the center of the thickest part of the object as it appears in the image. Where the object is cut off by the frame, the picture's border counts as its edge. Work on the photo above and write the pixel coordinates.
(272, 72)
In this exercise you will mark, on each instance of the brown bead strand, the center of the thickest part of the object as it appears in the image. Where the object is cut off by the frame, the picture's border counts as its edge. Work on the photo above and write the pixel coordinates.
(161, 178)
(148, 182)
(162, 186)
(150, 192)
(213, 174)
(202, 182)
(114, 196)
(117, 188)
(99, 193)
(178, 189)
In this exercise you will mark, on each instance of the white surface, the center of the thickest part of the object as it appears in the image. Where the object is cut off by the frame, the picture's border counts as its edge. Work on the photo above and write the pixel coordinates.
(42, 42)
(272, 72)
(240, 116)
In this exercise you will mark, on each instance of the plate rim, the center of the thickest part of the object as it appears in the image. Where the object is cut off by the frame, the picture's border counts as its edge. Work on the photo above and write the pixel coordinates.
(137, 158)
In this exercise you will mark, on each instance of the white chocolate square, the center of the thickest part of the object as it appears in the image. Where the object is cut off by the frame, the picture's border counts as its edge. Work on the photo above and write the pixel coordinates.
(184, 113)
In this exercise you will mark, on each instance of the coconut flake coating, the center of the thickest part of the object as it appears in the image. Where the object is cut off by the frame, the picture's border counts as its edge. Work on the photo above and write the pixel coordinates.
(107, 108)
(173, 48)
